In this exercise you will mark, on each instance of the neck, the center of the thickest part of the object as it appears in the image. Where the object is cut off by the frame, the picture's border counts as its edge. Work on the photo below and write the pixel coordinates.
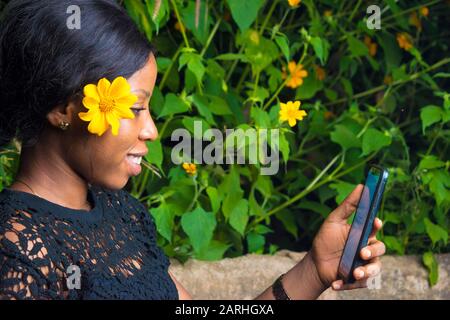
(51, 178)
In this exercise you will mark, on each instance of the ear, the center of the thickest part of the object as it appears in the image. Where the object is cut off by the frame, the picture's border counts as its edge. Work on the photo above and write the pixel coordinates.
(62, 113)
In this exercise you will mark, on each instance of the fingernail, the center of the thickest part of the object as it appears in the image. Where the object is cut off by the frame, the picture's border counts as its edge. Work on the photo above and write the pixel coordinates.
(360, 274)
(367, 253)
(336, 286)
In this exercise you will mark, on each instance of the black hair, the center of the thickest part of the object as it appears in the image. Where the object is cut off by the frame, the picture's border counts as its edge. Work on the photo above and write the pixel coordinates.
(44, 63)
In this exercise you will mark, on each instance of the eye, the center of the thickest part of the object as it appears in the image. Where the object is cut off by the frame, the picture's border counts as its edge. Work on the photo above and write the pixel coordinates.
(137, 110)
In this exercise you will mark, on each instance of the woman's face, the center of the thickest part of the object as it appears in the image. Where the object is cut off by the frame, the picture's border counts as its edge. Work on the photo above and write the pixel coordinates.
(109, 160)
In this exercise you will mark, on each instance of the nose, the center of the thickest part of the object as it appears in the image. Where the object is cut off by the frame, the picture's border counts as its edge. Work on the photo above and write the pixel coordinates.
(149, 130)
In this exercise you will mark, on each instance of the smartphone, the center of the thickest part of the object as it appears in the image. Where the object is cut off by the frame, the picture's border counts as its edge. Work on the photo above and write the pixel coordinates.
(362, 224)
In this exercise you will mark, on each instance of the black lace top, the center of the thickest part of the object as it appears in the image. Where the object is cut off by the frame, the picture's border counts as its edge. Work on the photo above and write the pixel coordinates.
(44, 246)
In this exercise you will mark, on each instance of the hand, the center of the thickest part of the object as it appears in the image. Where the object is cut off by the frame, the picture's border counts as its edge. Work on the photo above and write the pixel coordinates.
(328, 246)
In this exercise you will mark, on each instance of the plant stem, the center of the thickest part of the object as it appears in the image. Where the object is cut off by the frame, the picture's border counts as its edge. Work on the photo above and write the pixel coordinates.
(381, 87)
(211, 36)
(182, 28)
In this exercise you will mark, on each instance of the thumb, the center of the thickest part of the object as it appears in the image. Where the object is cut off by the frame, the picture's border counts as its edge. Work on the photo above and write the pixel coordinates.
(348, 206)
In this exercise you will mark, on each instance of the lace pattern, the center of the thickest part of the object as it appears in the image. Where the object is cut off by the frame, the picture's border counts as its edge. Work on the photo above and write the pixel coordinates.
(114, 245)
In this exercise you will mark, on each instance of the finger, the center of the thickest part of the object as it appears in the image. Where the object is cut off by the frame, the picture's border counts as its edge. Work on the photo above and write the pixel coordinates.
(373, 250)
(348, 206)
(377, 224)
(339, 285)
(370, 270)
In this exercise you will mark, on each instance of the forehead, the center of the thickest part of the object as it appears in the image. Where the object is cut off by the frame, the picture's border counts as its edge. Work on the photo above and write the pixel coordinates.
(144, 79)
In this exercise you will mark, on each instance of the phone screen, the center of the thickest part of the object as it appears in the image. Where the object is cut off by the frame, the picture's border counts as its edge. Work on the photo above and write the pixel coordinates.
(356, 231)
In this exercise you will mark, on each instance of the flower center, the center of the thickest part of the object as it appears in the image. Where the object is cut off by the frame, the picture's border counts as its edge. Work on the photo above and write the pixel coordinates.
(291, 113)
(107, 104)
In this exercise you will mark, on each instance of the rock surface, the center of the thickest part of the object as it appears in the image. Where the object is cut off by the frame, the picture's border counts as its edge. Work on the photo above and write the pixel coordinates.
(246, 277)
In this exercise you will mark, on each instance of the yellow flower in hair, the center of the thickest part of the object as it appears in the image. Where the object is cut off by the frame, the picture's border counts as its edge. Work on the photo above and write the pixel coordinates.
(107, 104)
(290, 112)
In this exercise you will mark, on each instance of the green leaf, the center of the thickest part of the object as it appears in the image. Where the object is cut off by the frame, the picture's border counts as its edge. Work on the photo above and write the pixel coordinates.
(311, 85)
(284, 146)
(320, 208)
(155, 154)
(357, 48)
(164, 216)
(288, 220)
(219, 106)
(261, 117)
(439, 185)
(264, 185)
(374, 140)
(392, 52)
(261, 54)
(321, 48)
(244, 12)
(255, 242)
(199, 225)
(393, 244)
(232, 56)
(344, 137)
(202, 105)
(435, 232)
(194, 64)
(343, 190)
(283, 42)
(430, 262)
(214, 197)
(173, 105)
(213, 252)
(430, 162)
(430, 115)
(239, 216)
(200, 31)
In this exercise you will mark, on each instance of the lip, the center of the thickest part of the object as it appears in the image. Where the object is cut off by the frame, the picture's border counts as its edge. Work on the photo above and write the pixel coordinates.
(134, 168)
(138, 154)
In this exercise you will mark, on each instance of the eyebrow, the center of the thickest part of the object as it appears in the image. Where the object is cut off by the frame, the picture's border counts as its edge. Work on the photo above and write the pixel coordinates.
(146, 93)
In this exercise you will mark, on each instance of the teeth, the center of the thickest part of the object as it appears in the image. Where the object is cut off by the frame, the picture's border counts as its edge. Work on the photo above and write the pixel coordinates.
(135, 159)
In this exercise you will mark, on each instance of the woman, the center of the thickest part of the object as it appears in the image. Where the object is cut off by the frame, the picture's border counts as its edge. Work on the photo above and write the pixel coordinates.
(77, 99)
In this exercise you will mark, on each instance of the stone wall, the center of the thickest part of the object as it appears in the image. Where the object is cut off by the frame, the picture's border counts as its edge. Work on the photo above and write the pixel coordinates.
(246, 277)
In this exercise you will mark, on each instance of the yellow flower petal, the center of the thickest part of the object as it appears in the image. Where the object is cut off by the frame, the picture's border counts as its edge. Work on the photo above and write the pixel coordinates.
(127, 100)
(98, 124)
(103, 87)
(87, 116)
(90, 90)
(90, 102)
(113, 120)
(119, 88)
(292, 122)
(123, 112)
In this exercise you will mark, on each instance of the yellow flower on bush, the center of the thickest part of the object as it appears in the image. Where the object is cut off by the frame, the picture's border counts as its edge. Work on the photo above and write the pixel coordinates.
(328, 13)
(387, 80)
(424, 11)
(296, 75)
(404, 41)
(290, 112)
(415, 21)
(372, 46)
(190, 168)
(294, 3)
(320, 73)
(107, 104)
